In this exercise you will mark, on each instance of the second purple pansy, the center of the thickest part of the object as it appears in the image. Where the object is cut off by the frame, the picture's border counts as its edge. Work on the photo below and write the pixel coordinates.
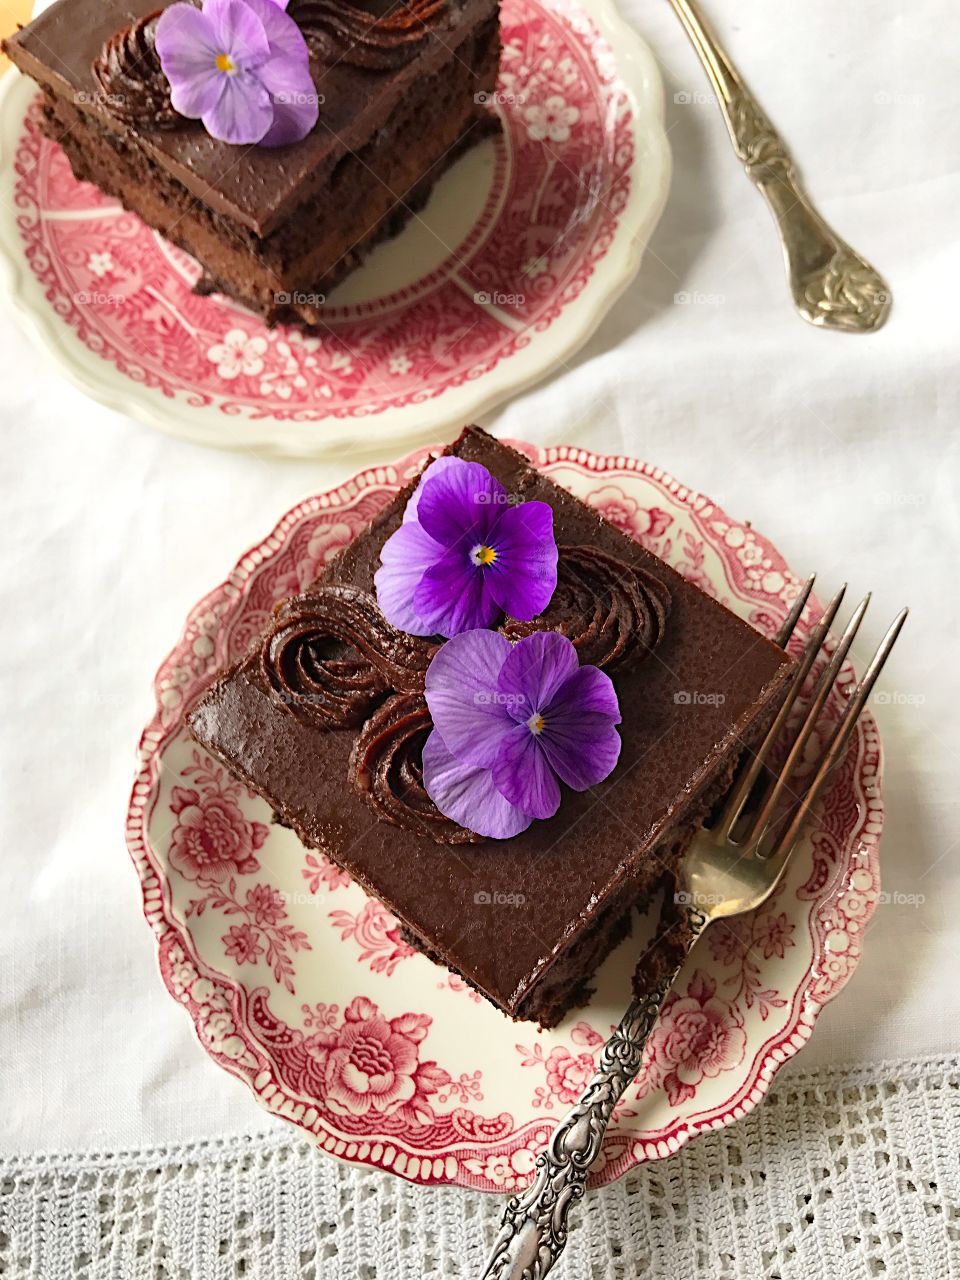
(511, 722)
(240, 66)
(465, 555)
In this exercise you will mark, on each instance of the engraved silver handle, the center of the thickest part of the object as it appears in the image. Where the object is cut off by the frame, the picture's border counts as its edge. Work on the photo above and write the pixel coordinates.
(833, 287)
(534, 1228)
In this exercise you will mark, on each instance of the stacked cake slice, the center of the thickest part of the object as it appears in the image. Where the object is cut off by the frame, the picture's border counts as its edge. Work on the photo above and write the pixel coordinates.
(326, 719)
(398, 94)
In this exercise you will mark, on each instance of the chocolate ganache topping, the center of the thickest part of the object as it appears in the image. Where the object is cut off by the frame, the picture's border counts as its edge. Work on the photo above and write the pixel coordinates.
(131, 79)
(331, 656)
(610, 610)
(386, 767)
(336, 31)
(334, 661)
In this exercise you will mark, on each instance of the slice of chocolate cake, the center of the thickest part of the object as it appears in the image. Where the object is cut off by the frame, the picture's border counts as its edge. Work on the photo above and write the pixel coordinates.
(326, 718)
(398, 94)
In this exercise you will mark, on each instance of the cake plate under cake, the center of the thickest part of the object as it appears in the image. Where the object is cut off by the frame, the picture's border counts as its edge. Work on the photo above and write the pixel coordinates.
(285, 967)
(522, 248)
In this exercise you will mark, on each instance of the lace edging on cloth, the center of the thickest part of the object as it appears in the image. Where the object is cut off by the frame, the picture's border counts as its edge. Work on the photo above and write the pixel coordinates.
(854, 1168)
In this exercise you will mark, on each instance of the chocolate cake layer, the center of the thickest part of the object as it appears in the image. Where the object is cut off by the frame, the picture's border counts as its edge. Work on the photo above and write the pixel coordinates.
(277, 229)
(525, 920)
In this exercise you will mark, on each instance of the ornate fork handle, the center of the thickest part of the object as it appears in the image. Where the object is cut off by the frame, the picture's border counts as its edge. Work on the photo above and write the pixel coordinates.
(534, 1229)
(832, 285)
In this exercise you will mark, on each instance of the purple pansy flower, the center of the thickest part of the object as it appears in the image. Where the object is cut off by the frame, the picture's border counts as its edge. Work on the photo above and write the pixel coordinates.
(511, 722)
(240, 66)
(465, 555)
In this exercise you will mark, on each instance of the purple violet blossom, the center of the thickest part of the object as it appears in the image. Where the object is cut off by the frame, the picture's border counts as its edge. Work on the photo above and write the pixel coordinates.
(511, 722)
(464, 555)
(240, 66)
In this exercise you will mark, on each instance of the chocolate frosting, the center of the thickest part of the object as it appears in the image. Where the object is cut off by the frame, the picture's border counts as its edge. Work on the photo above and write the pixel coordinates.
(136, 90)
(259, 188)
(339, 32)
(610, 610)
(386, 767)
(129, 74)
(331, 657)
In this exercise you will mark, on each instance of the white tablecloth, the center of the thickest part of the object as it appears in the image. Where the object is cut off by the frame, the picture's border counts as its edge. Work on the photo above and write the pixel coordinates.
(844, 450)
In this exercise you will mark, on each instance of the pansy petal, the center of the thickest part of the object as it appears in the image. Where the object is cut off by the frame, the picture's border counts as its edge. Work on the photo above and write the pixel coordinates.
(522, 774)
(534, 671)
(436, 468)
(581, 750)
(461, 692)
(579, 738)
(287, 80)
(243, 112)
(465, 793)
(188, 51)
(185, 32)
(239, 32)
(405, 557)
(452, 596)
(197, 94)
(587, 690)
(460, 504)
(295, 110)
(524, 576)
(284, 36)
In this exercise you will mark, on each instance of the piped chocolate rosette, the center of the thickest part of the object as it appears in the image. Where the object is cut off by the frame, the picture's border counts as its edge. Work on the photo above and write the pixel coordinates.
(610, 610)
(386, 767)
(136, 89)
(131, 80)
(471, 736)
(331, 656)
(339, 32)
(335, 662)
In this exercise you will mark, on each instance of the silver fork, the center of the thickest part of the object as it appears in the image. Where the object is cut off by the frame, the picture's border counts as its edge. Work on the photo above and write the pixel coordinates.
(833, 286)
(731, 867)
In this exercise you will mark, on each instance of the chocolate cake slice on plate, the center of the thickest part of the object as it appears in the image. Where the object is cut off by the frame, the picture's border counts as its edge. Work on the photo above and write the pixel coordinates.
(397, 92)
(328, 720)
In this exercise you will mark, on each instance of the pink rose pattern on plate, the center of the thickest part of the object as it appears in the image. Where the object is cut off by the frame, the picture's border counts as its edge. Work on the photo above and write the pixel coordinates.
(562, 180)
(212, 840)
(319, 872)
(376, 933)
(698, 1035)
(371, 1064)
(212, 843)
(257, 934)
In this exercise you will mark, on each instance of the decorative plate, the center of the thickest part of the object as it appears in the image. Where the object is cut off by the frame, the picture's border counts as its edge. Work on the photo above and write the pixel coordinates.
(522, 249)
(299, 983)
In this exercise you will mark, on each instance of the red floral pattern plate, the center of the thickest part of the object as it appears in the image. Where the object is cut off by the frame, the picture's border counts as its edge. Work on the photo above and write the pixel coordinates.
(300, 984)
(523, 247)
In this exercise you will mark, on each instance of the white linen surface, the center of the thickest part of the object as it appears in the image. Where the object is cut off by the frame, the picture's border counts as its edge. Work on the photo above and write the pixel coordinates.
(841, 449)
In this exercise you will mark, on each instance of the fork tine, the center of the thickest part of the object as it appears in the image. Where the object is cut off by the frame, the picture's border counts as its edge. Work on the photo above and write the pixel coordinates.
(737, 796)
(793, 617)
(778, 787)
(834, 750)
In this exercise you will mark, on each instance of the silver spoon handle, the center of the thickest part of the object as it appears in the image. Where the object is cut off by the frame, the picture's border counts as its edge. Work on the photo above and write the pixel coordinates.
(833, 287)
(533, 1232)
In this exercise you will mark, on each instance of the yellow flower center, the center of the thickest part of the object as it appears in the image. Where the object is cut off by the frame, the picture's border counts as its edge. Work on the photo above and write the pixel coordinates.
(535, 724)
(225, 64)
(483, 555)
